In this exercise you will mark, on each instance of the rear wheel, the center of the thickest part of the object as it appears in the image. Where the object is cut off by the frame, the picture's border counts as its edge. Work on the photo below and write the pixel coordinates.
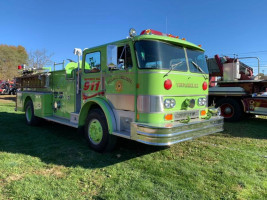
(231, 110)
(31, 119)
(96, 132)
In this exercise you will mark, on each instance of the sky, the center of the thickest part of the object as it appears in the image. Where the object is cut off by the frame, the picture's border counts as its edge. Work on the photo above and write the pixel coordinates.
(222, 27)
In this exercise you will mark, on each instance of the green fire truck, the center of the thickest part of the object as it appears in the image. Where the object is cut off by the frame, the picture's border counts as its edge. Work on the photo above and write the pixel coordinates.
(151, 88)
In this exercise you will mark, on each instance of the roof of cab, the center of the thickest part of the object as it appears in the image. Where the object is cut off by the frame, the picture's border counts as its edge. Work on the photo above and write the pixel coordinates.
(167, 39)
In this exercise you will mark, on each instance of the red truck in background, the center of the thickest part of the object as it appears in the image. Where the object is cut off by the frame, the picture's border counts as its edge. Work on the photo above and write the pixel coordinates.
(8, 87)
(235, 89)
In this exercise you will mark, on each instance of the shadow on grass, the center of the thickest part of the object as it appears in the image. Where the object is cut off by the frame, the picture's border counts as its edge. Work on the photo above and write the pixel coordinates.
(250, 128)
(8, 98)
(61, 145)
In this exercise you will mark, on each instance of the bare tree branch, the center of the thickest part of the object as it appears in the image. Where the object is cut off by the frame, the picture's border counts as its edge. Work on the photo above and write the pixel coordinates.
(39, 59)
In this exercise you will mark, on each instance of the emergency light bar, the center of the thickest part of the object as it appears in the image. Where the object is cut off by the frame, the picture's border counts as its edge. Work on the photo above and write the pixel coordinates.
(153, 32)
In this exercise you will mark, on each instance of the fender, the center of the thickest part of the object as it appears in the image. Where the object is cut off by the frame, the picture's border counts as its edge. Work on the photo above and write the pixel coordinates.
(111, 119)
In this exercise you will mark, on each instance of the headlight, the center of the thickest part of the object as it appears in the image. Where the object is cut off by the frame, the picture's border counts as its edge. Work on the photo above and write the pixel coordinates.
(169, 103)
(202, 101)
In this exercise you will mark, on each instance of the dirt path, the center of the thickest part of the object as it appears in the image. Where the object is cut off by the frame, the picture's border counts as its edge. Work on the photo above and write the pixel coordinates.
(7, 99)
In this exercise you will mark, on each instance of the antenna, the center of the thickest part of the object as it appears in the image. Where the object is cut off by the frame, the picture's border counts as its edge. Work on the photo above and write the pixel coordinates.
(166, 25)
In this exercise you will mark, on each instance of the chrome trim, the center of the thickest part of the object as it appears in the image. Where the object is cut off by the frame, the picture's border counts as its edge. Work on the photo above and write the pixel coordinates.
(164, 144)
(260, 109)
(257, 112)
(174, 134)
(149, 104)
(122, 101)
(170, 133)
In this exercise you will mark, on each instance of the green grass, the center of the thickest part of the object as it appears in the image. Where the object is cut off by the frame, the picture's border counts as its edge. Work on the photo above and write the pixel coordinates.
(52, 161)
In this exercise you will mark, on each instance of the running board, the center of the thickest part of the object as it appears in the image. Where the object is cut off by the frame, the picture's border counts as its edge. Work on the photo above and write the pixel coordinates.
(63, 121)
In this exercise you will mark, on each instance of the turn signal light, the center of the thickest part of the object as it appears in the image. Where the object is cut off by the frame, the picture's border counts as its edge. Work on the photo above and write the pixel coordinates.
(204, 86)
(167, 84)
(203, 112)
(168, 117)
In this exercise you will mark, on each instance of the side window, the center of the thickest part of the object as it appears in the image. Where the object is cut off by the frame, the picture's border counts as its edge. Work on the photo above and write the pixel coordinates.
(92, 62)
(124, 58)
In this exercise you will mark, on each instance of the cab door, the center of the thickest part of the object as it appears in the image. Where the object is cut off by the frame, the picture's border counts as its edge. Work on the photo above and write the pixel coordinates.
(91, 82)
(121, 87)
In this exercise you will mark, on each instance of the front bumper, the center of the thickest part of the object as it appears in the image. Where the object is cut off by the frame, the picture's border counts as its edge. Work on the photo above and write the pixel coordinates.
(171, 133)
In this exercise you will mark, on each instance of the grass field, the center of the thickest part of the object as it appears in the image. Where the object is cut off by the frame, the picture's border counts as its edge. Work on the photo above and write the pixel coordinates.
(52, 161)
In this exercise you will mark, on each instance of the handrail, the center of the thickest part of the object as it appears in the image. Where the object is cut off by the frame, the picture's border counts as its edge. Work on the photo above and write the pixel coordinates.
(63, 65)
(249, 58)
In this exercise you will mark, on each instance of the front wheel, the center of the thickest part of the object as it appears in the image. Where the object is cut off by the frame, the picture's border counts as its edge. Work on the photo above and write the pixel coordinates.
(96, 132)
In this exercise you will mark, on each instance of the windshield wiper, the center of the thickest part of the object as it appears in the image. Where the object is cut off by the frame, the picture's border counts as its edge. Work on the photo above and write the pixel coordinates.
(199, 68)
(172, 67)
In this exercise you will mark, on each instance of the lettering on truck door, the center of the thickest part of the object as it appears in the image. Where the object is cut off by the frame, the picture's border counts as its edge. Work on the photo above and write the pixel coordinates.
(92, 76)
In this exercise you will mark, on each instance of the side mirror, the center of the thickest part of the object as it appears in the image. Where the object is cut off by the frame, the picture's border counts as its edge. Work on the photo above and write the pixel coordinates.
(112, 52)
(77, 51)
(121, 64)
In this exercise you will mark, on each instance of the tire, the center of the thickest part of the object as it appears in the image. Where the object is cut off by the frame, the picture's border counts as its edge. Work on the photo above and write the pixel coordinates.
(96, 132)
(31, 119)
(230, 108)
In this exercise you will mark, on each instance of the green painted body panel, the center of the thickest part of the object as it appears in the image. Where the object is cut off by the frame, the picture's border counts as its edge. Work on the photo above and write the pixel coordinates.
(104, 105)
(185, 85)
(42, 102)
(64, 93)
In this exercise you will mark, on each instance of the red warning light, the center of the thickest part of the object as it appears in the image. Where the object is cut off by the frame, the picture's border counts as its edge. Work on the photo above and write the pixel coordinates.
(167, 84)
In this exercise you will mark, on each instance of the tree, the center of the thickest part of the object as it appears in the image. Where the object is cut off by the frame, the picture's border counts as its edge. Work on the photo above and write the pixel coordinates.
(39, 59)
(10, 58)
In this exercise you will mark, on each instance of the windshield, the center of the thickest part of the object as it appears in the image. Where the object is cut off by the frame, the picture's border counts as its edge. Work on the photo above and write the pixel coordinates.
(159, 55)
(197, 61)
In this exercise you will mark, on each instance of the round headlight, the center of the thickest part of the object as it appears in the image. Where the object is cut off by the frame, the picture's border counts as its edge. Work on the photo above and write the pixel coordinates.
(167, 103)
(173, 103)
(202, 101)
